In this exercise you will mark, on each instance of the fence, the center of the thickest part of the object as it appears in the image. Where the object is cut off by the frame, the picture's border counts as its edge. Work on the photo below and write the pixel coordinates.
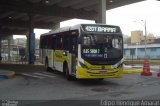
(17, 56)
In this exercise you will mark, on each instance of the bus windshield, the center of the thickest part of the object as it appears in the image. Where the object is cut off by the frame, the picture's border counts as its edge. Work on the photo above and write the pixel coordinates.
(101, 47)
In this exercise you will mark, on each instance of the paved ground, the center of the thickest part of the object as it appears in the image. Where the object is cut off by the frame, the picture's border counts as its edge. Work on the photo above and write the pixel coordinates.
(43, 86)
(54, 86)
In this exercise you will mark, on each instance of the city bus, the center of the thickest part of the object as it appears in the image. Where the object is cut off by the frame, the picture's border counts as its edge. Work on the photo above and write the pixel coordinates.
(84, 51)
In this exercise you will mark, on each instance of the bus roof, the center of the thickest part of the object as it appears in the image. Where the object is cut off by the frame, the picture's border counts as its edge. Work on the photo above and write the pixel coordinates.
(75, 27)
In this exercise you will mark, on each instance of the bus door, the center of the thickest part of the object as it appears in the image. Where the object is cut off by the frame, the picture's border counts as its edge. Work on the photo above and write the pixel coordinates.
(73, 53)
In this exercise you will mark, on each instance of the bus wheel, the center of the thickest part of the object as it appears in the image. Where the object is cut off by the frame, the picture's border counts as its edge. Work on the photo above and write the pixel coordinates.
(66, 71)
(46, 65)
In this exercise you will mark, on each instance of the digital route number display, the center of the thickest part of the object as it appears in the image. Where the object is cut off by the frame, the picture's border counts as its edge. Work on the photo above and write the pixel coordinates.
(100, 28)
(93, 53)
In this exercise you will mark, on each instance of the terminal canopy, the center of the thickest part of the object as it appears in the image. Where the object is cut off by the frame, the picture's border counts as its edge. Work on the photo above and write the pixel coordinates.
(14, 18)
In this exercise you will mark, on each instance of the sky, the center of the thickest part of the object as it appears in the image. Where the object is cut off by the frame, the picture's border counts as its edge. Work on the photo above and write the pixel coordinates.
(129, 18)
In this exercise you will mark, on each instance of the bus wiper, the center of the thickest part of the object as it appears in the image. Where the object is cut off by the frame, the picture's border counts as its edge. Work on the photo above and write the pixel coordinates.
(93, 39)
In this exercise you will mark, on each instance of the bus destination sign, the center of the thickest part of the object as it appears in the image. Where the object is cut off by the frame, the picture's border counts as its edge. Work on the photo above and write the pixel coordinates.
(101, 29)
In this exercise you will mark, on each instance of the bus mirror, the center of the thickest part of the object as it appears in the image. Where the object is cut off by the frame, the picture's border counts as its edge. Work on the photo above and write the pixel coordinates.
(65, 53)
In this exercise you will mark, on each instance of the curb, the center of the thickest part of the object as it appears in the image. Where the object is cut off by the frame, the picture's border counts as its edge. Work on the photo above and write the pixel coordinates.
(4, 74)
(18, 68)
(132, 71)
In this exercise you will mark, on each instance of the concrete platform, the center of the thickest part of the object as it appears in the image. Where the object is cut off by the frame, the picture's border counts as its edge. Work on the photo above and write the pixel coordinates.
(21, 67)
(5, 74)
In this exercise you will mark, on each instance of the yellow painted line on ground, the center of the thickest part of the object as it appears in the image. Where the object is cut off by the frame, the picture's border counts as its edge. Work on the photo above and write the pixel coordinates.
(10, 74)
(7, 74)
(45, 75)
(132, 71)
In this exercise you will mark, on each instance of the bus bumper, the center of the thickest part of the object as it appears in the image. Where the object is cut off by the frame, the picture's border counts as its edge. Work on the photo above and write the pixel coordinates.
(83, 73)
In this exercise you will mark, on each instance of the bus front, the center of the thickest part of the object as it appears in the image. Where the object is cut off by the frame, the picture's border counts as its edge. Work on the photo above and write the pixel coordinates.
(100, 52)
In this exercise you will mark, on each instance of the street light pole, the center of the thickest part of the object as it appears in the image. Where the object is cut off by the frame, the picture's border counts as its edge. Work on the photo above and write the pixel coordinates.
(145, 32)
(145, 38)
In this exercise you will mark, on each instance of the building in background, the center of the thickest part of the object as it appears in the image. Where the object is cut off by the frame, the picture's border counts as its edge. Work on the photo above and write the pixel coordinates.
(138, 51)
(15, 52)
(136, 37)
(150, 39)
(17, 49)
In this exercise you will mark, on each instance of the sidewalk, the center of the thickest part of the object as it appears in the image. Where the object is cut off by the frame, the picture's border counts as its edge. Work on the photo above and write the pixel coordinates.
(152, 62)
(137, 68)
(141, 66)
(129, 69)
(5, 74)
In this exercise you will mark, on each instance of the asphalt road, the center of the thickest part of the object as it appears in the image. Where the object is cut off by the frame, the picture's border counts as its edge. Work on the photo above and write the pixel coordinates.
(38, 88)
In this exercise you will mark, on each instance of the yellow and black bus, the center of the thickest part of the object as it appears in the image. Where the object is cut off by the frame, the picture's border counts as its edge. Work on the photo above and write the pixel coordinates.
(84, 51)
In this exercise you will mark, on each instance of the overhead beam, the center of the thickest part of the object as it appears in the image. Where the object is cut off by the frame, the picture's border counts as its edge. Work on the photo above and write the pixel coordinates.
(12, 32)
(44, 25)
(51, 2)
(6, 14)
(46, 10)
(86, 4)
(19, 15)
(25, 24)
(70, 3)
(41, 18)
(34, 1)
(92, 7)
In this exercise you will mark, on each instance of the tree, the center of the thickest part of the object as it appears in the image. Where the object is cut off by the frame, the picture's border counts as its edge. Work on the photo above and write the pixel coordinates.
(127, 40)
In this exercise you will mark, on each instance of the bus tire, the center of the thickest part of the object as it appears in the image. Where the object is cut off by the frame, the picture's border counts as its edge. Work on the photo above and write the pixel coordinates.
(46, 64)
(66, 71)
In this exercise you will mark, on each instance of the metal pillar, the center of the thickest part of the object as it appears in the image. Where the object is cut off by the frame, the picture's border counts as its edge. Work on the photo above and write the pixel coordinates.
(56, 26)
(101, 12)
(9, 49)
(27, 45)
(31, 40)
(145, 39)
(137, 50)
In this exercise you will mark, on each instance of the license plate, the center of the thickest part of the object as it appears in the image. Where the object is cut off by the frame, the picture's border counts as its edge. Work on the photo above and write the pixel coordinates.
(103, 72)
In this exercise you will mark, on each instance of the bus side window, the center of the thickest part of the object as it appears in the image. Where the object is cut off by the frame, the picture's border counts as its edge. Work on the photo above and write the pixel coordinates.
(59, 40)
(41, 42)
(50, 42)
(53, 42)
(45, 42)
(73, 44)
(66, 42)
